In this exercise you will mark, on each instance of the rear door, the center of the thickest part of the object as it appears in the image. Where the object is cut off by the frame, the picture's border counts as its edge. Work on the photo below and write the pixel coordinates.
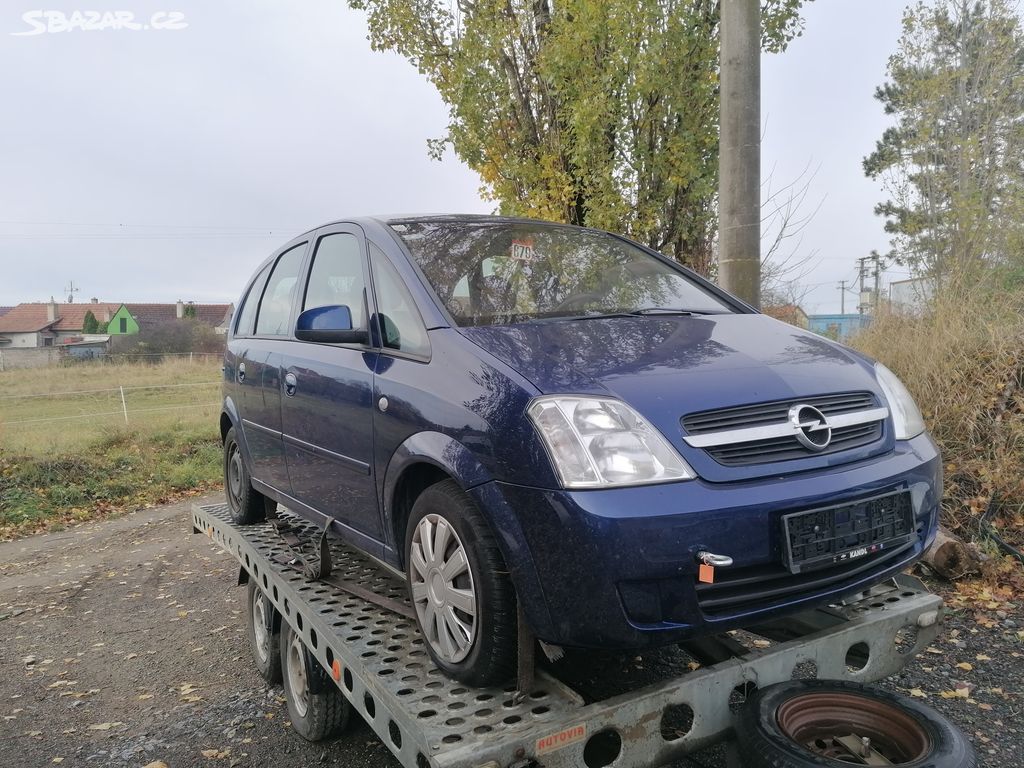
(258, 370)
(237, 359)
(326, 409)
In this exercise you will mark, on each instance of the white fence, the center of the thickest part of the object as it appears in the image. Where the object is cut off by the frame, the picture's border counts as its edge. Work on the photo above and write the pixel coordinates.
(52, 421)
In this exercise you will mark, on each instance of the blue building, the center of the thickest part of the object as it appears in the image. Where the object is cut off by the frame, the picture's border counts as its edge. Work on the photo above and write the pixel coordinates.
(838, 327)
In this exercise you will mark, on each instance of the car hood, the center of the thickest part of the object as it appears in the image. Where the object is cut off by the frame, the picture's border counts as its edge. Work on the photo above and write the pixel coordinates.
(670, 366)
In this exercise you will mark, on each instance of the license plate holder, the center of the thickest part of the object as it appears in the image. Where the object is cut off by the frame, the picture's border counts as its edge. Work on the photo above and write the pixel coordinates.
(817, 538)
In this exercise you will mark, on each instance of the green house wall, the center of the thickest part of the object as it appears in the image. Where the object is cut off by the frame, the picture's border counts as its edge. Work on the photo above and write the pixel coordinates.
(114, 327)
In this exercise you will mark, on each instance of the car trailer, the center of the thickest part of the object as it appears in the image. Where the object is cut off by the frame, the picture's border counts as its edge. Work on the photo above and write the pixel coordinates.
(357, 630)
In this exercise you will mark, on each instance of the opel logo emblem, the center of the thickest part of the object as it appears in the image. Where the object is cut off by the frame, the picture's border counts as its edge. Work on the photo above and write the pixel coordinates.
(811, 427)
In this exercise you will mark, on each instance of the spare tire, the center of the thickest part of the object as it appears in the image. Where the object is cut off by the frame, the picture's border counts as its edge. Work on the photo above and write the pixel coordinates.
(817, 723)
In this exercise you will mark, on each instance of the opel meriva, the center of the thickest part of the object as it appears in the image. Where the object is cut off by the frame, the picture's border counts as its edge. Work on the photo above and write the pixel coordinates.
(515, 414)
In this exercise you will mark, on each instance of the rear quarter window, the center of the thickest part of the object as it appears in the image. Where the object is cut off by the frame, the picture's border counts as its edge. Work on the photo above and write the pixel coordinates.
(247, 313)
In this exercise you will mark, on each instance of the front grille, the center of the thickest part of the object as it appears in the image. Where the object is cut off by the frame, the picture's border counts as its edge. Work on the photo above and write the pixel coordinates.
(783, 448)
(737, 590)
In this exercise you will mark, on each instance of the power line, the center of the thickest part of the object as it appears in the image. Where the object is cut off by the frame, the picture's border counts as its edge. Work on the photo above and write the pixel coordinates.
(157, 226)
(147, 236)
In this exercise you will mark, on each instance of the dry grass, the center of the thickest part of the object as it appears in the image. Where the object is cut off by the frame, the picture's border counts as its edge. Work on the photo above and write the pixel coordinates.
(49, 411)
(964, 363)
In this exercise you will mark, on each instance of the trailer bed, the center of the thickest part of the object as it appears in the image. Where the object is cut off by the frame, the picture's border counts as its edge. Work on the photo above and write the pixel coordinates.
(378, 659)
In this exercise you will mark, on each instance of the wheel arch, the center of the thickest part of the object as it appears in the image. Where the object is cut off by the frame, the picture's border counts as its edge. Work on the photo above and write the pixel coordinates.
(422, 460)
(429, 457)
(229, 418)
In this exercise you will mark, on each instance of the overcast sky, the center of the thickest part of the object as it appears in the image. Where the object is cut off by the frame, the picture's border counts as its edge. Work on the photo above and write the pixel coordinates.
(153, 165)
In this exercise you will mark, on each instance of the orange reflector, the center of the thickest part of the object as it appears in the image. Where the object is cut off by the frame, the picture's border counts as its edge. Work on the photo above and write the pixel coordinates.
(706, 574)
(336, 670)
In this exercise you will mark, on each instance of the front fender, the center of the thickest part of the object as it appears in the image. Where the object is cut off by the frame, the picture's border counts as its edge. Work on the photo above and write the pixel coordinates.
(444, 452)
(457, 461)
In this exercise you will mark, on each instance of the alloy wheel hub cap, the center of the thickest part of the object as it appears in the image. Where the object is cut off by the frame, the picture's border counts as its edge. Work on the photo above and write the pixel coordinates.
(443, 590)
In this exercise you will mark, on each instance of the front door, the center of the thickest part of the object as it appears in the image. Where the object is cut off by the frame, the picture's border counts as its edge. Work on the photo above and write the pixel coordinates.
(327, 417)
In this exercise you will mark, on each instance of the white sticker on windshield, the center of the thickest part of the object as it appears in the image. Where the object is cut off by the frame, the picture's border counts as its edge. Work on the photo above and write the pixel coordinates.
(522, 250)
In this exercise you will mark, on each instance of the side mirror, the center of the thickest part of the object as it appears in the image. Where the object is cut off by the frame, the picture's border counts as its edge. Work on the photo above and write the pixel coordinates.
(329, 325)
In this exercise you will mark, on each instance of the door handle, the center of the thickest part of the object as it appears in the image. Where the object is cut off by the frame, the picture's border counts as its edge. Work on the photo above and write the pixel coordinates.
(241, 372)
(290, 384)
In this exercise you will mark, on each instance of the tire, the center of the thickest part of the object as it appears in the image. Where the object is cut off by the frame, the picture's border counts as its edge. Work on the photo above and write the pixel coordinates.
(908, 733)
(317, 708)
(264, 634)
(246, 504)
(480, 649)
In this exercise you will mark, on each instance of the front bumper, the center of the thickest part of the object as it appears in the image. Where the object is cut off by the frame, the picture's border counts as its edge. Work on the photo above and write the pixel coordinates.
(617, 568)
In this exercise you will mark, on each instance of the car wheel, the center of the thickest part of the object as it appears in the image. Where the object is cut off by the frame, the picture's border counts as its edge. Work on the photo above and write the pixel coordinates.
(264, 635)
(247, 505)
(460, 587)
(805, 723)
(316, 706)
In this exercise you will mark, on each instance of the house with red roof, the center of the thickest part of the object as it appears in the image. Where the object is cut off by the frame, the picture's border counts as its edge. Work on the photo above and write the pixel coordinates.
(216, 316)
(49, 324)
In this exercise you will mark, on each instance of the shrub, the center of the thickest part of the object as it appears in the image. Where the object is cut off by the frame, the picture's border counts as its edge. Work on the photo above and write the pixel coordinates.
(964, 362)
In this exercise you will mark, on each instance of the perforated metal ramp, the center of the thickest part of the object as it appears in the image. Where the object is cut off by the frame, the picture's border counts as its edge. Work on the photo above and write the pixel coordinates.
(427, 720)
(422, 715)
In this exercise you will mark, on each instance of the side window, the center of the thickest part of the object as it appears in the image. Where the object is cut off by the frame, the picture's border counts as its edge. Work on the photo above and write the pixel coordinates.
(401, 327)
(252, 300)
(276, 305)
(337, 276)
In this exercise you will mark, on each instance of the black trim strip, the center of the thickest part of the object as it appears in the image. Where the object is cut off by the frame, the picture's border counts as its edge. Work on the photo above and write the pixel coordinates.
(346, 461)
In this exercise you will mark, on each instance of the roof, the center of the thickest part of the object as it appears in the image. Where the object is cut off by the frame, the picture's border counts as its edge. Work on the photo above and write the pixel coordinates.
(387, 220)
(5, 310)
(785, 312)
(148, 315)
(28, 318)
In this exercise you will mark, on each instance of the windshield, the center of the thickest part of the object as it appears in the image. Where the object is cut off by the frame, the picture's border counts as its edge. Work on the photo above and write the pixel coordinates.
(503, 272)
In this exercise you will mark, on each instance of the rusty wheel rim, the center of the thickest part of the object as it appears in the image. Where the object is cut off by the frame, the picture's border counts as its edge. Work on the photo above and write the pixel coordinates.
(823, 723)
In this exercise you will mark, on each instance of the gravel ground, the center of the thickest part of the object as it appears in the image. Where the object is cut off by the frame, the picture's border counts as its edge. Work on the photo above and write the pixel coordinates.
(122, 644)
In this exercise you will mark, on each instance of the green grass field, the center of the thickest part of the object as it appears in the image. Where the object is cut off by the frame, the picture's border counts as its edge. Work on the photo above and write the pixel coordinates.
(67, 453)
(52, 410)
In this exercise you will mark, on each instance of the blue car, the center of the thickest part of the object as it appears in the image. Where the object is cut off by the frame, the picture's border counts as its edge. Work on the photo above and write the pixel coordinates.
(524, 418)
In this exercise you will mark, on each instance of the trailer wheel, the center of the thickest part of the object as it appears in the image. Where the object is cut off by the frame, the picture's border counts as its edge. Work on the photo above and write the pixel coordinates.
(805, 723)
(264, 634)
(460, 587)
(247, 505)
(316, 706)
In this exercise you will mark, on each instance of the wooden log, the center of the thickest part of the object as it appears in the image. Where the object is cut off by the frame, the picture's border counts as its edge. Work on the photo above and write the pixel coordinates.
(950, 557)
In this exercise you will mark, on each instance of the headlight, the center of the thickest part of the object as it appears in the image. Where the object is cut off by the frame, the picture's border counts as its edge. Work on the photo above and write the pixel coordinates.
(906, 416)
(595, 442)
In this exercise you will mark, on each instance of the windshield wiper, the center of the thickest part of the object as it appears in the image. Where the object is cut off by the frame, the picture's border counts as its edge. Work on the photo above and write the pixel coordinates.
(666, 311)
(646, 311)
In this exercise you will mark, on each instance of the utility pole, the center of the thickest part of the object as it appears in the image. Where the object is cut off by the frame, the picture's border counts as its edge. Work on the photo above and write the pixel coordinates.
(877, 297)
(862, 272)
(739, 153)
(842, 297)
